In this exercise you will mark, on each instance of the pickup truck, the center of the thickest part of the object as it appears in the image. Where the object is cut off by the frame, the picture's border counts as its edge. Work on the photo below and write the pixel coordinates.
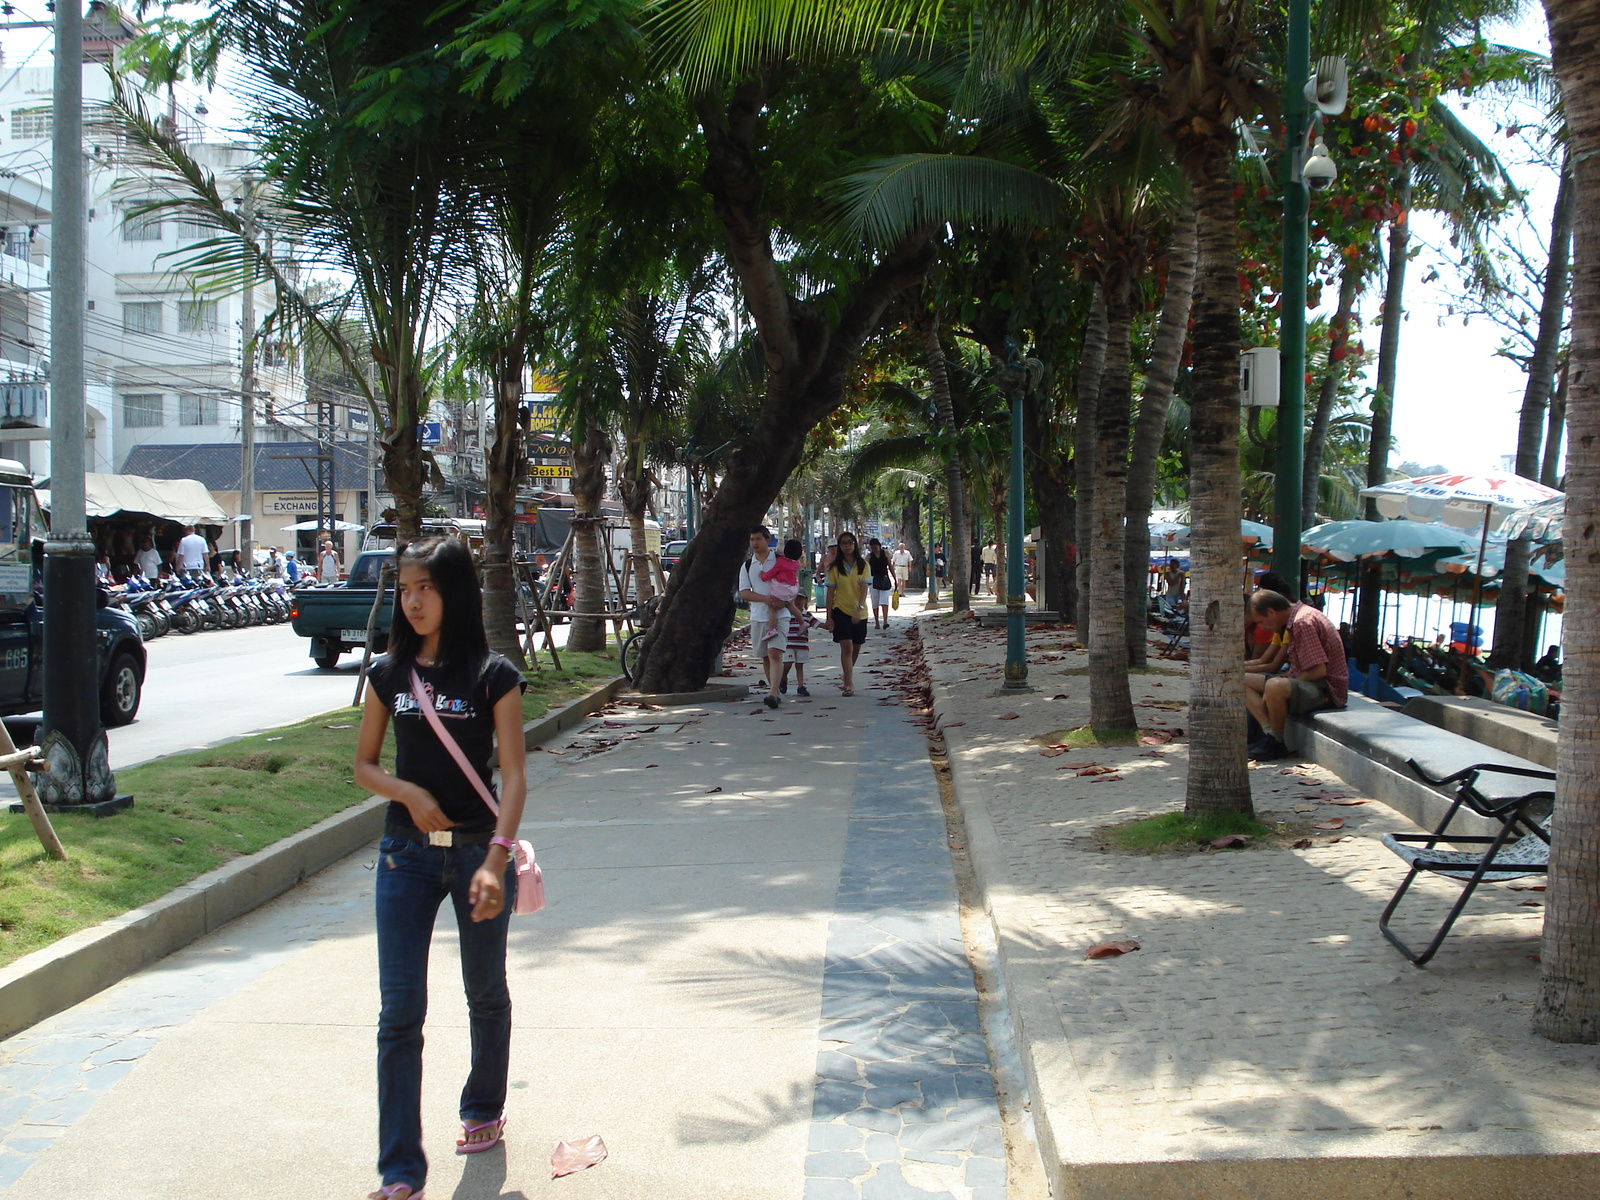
(118, 647)
(334, 617)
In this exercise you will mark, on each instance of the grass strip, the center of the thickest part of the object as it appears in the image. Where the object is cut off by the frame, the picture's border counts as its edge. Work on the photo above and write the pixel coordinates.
(195, 811)
(1174, 831)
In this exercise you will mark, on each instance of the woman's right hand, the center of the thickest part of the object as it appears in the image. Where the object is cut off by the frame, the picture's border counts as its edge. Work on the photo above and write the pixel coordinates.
(425, 812)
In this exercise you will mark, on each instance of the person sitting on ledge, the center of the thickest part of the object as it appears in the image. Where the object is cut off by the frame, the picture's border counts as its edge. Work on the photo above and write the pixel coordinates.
(1318, 675)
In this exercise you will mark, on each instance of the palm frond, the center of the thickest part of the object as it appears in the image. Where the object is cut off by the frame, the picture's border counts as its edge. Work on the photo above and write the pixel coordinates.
(890, 197)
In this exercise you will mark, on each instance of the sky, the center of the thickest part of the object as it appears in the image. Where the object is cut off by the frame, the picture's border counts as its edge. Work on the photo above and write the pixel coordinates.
(1456, 402)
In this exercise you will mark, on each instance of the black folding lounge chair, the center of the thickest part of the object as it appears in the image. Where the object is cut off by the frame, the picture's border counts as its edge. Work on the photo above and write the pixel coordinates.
(1520, 849)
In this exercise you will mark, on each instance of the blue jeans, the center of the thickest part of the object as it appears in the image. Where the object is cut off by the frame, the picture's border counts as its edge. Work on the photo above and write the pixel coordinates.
(413, 880)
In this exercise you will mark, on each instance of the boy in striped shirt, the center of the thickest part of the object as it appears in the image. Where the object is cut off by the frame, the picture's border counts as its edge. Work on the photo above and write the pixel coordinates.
(797, 648)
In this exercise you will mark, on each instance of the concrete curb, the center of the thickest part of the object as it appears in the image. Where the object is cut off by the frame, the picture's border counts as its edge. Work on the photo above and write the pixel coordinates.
(536, 733)
(712, 693)
(43, 983)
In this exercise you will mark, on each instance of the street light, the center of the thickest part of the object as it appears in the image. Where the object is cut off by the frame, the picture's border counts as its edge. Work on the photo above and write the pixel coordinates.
(1327, 92)
(1017, 377)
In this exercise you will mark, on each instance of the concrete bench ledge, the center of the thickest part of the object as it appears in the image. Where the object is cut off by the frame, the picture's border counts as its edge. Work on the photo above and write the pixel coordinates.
(1525, 734)
(1367, 746)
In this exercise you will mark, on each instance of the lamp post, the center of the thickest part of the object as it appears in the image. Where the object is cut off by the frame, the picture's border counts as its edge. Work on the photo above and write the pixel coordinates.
(1292, 305)
(1016, 376)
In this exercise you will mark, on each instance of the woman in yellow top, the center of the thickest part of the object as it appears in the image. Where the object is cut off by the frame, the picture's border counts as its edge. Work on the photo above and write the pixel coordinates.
(847, 606)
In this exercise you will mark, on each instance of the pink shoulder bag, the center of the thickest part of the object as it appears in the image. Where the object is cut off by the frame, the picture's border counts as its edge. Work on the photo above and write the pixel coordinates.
(530, 880)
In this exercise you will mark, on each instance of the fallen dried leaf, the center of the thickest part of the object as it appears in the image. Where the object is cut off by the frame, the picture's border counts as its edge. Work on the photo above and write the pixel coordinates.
(1059, 696)
(1303, 844)
(1229, 841)
(1346, 801)
(1155, 737)
(647, 766)
(710, 791)
(338, 726)
(1104, 778)
(1096, 769)
(1530, 904)
(1053, 751)
(1527, 887)
(1110, 949)
(1008, 716)
(1330, 823)
(569, 1158)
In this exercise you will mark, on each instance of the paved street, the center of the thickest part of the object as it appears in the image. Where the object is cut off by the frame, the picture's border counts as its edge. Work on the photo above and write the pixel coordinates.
(750, 981)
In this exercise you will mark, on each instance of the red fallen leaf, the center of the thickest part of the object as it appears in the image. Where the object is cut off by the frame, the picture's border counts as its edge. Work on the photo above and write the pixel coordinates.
(1229, 841)
(1008, 716)
(1053, 751)
(1110, 949)
(1303, 844)
(1155, 737)
(1104, 778)
(1096, 769)
(1059, 696)
(780, 733)
(1346, 801)
(1530, 904)
(569, 1158)
(709, 791)
(1330, 823)
(1332, 840)
(1527, 887)
(647, 766)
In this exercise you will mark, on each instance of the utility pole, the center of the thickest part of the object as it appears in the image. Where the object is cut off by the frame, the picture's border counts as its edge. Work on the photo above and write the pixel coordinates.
(247, 410)
(1016, 378)
(1292, 306)
(78, 771)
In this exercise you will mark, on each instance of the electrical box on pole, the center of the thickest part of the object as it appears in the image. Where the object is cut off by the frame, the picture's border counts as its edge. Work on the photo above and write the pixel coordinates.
(1258, 377)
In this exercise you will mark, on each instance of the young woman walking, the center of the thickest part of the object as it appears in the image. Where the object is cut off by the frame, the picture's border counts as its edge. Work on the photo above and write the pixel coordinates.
(883, 582)
(441, 841)
(847, 607)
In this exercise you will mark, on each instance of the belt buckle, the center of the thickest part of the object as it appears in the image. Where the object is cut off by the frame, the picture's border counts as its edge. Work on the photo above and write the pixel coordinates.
(442, 837)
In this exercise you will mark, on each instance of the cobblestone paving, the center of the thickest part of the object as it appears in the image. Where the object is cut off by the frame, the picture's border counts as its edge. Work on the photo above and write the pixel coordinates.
(905, 1103)
(1264, 1001)
(52, 1074)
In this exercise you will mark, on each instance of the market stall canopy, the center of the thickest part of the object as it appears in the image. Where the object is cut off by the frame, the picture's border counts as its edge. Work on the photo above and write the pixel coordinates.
(1255, 529)
(1494, 562)
(1172, 535)
(185, 501)
(1349, 540)
(1541, 522)
(1458, 498)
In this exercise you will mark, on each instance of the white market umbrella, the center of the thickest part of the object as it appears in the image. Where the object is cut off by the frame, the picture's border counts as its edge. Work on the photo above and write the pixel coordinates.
(308, 526)
(1459, 498)
(1541, 522)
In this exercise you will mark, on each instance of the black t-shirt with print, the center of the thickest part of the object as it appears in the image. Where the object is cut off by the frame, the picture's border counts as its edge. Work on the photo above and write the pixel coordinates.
(465, 704)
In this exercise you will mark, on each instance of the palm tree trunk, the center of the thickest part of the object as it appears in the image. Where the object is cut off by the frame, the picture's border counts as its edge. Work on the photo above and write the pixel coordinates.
(1051, 474)
(1218, 779)
(997, 516)
(960, 525)
(1569, 973)
(911, 535)
(633, 483)
(403, 472)
(1166, 356)
(1370, 593)
(1555, 426)
(589, 458)
(507, 461)
(1110, 700)
(1350, 280)
(1509, 648)
(1091, 362)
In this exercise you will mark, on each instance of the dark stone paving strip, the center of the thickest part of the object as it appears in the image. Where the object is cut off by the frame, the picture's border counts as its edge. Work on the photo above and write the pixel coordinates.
(905, 1106)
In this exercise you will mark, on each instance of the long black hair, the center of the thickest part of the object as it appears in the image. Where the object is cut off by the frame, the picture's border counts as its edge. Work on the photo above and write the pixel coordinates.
(859, 566)
(462, 639)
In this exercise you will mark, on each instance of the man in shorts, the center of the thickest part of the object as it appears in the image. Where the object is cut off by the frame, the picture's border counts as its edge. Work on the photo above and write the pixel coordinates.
(1318, 675)
(759, 594)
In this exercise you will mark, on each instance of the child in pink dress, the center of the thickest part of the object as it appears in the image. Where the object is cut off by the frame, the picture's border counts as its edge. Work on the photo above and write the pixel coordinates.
(784, 576)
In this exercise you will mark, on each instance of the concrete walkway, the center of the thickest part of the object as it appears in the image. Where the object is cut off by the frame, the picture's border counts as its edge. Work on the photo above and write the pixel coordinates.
(1265, 1041)
(750, 980)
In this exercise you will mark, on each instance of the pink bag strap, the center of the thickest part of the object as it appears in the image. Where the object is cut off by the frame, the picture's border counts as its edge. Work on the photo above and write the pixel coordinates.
(419, 693)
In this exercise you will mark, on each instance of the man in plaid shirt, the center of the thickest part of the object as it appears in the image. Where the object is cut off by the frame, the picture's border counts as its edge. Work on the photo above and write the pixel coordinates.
(1318, 676)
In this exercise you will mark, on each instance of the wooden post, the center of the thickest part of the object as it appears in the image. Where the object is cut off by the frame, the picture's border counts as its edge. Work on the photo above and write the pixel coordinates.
(517, 581)
(544, 622)
(16, 762)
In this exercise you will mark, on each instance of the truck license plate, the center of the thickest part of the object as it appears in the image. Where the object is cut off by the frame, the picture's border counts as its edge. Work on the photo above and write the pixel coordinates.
(352, 635)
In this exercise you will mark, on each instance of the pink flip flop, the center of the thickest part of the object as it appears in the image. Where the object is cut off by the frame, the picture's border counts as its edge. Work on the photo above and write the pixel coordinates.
(466, 1147)
(389, 1190)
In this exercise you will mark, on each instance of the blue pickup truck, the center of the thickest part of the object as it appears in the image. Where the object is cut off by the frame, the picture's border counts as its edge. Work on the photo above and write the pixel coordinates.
(118, 646)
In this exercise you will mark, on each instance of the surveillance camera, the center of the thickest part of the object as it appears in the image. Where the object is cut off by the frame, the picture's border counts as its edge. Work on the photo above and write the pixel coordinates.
(1319, 171)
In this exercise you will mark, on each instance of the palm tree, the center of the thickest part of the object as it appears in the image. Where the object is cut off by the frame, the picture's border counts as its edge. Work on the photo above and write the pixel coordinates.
(1569, 972)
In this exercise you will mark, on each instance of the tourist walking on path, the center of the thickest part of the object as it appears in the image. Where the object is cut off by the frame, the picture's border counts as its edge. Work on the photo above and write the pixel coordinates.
(441, 839)
(884, 582)
(191, 552)
(758, 593)
(847, 607)
(902, 560)
(797, 650)
(1318, 675)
